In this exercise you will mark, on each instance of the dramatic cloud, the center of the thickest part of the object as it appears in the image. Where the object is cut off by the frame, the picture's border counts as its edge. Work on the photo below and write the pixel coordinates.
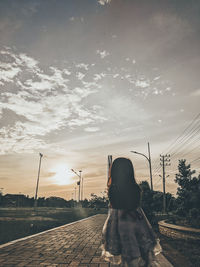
(46, 101)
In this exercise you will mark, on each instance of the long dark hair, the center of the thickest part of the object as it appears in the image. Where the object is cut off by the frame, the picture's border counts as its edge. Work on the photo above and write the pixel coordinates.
(123, 191)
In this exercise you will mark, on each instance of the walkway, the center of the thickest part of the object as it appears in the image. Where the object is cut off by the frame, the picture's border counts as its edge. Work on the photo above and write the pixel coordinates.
(74, 244)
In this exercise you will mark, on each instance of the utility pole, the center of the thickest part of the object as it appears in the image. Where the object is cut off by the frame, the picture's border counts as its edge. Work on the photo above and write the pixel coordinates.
(81, 187)
(164, 161)
(35, 203)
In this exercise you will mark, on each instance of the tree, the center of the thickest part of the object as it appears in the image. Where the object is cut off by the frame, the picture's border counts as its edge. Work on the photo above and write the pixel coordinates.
(1, 199)
(41, 202)
(147, 200)
(97, 201)
(55, 202)
(189, 189)
(85, 203)
(152, 201)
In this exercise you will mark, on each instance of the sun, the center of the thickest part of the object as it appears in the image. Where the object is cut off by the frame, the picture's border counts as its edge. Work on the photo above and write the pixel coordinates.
(63, 175)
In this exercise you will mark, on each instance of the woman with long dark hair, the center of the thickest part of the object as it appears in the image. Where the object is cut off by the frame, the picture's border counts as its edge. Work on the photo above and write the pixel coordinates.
(127, 236)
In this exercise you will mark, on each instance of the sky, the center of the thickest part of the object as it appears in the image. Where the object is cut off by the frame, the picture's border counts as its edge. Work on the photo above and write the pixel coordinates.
(84, 79)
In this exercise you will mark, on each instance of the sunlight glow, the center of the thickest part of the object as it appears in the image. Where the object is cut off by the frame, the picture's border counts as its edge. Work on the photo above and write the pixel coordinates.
(63, 175)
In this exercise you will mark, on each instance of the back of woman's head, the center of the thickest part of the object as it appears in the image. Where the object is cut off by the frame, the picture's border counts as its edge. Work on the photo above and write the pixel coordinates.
(123, 191)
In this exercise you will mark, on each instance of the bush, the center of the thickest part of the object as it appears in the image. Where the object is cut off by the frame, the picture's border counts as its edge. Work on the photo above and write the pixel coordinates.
(180, 211)
(193, 217)
(193, 213)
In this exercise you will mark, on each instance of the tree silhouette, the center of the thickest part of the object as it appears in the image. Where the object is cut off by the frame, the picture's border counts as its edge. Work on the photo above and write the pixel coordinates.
(188, 190)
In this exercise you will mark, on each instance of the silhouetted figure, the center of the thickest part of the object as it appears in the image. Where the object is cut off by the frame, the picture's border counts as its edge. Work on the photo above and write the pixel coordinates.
(127, 236)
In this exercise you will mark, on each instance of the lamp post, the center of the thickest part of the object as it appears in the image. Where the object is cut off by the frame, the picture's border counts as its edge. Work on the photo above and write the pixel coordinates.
(149, 161)
(79, 182)
(35, 203)
(75, 193)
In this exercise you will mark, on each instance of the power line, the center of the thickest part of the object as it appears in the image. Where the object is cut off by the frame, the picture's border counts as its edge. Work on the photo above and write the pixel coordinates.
(193, 128)
(197, 147)
(191, 137)
(195, 160)
(172, 144)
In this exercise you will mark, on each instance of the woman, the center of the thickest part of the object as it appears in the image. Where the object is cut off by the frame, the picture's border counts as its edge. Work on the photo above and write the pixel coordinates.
(127, 236)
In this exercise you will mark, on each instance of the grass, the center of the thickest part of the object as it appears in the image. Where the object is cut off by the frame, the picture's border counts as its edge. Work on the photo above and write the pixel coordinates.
(20, 222)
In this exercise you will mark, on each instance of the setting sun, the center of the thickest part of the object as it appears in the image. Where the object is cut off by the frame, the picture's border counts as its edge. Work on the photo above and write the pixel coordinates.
(63, 175)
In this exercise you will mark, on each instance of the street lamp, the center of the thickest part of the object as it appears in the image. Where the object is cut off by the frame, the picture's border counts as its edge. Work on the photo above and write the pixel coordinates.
(149, 161)
(81, 187)
(75, 193)
(35, 203)
(79, 182)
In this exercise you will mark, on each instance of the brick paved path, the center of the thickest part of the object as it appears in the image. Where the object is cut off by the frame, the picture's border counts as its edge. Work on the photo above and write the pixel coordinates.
(75, 244)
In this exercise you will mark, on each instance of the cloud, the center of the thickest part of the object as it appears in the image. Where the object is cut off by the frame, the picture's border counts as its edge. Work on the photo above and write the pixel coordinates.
(91, 84)
(8, 72)
(83, 66)
(12, 65)
(65, 71)
(142, 84)
(99, 76)
(54, 99)
(156, 78)
(15, 140)
(46, 101)
(28, 61)
(80, 75)
(104, 2)
(103, 53)
(92, 129)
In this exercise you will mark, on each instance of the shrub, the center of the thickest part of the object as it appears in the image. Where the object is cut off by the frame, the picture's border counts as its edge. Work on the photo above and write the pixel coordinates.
(193, 213)
(180, 211)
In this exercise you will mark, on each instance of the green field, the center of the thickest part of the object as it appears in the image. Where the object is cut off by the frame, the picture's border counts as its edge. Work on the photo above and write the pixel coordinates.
(20, 222)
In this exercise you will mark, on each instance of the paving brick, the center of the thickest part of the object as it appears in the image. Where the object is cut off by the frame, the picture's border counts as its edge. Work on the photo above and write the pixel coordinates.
(76, 244)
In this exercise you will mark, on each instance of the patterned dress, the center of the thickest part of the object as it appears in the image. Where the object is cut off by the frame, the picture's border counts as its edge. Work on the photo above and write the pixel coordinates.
(128, 239)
